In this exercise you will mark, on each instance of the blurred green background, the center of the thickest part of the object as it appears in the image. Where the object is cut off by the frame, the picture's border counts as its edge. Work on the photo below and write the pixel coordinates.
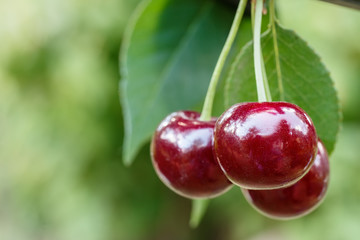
(61, 174)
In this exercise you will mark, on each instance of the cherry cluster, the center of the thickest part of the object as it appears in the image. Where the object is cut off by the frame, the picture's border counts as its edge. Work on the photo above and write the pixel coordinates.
(269, 149)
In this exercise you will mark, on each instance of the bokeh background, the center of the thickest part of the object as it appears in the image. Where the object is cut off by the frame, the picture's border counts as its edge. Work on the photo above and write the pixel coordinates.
(61, 130)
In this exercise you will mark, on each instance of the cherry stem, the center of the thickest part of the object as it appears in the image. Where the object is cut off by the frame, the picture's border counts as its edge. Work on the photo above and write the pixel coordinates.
(198, 210)
(209, 99)
(260, 72)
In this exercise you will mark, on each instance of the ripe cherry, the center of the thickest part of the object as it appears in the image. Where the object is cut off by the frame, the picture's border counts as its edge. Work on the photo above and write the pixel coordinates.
(181, 151)
(265, 145)
(298, 199)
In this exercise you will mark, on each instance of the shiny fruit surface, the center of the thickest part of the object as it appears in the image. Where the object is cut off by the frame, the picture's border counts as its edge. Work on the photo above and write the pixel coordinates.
(265, 145)
(298, 199)
(181, 151)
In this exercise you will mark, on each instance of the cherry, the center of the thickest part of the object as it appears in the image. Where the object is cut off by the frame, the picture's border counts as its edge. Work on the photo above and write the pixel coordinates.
(181, 151)
(298, 199)
(265, 145)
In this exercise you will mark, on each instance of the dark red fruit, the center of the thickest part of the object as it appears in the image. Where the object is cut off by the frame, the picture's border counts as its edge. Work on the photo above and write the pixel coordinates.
(265, 145)
(181, 151)
(298, 199)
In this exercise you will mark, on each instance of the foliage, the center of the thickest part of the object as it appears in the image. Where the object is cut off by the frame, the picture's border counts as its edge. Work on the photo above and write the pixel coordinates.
(166, 60)
(302, 79)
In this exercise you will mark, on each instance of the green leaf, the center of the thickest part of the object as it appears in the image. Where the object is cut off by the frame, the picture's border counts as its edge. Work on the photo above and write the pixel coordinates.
(167, 59)
(304, 79)
(198, 210)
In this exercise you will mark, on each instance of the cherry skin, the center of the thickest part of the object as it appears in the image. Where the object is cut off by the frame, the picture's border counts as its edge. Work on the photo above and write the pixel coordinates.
(265, 145)
(181, 151)
(298, 199)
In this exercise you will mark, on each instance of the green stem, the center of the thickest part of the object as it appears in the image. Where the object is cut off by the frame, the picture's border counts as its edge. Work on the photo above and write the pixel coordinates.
(260, 73)
(276, 50)
(209, 99)
(198, 210)
(266, 84)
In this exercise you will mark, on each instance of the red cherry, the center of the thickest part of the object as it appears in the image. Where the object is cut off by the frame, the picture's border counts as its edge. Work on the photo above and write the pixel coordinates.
(181, 151)
(265, 145)
(298, 199)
